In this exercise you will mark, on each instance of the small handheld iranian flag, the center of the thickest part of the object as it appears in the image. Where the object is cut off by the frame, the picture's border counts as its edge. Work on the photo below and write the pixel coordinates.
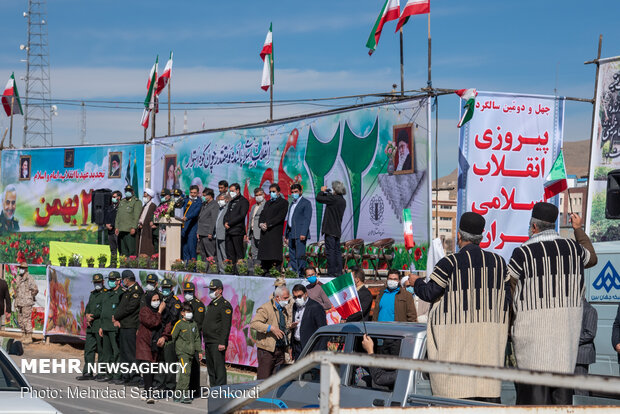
(390, 11)
(342, 294)
(469, 96)
(9, 96)
(266, 54)
(555, 181)
(408, 229)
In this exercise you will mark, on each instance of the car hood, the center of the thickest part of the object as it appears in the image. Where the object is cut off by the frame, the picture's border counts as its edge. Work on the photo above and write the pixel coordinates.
(13, 402)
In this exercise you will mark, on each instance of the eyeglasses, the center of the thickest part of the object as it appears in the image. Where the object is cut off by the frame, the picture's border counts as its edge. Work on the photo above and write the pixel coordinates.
(298, 297)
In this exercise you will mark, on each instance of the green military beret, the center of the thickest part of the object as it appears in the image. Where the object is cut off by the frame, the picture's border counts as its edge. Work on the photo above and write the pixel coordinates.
(114, 275)
(97, 277)
(151, 278)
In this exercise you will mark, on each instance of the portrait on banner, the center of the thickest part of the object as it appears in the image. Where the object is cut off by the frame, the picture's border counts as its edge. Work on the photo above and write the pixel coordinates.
(69, 158)
(170, 173)
(115, 162)
(403, 141)
(24, 167)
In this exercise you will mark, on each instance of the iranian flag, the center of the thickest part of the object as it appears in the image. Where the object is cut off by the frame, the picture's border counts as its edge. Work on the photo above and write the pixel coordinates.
(555, 181)
(412, 8)
(469, 96)
(266, 54)
(149, 101)
(10, 94)
(390, 11)
(342, 294)
(162, 81)
(408, 229)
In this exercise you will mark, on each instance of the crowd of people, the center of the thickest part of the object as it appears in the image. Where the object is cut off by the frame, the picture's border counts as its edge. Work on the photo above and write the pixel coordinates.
(215, 225)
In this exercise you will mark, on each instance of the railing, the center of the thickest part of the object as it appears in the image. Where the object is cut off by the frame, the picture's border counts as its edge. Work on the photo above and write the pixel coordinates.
(330, 378)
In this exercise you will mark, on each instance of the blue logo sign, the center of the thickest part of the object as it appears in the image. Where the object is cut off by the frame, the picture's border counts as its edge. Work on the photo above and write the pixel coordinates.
(607, 279)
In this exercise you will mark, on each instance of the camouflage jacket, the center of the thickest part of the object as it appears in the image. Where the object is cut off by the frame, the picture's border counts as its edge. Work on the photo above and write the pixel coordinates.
(25, 290)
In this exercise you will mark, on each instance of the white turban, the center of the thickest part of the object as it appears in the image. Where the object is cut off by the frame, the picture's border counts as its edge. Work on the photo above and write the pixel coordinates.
(150, 192)
(403, 281)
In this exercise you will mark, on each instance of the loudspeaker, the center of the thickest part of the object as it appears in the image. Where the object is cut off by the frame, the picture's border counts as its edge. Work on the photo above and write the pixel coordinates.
(612, 203)
(101, 200)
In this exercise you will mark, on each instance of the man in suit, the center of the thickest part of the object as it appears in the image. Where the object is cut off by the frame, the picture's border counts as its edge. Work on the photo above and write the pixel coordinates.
(220, 231)
(298, 229)
(191, 210)
(586, 354)
(254, 230)
(308, 316)
(110, 219)
(364, 295)
(332, 223)
(404, 152)
(206, 224)
(272, 227)
(234, 222)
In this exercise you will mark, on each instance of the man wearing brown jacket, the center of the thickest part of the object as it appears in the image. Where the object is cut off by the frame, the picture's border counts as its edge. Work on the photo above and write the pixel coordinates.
(394, 304)
(272, 336)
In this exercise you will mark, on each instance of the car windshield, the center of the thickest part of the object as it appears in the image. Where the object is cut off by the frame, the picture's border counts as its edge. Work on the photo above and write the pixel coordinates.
(10, 378)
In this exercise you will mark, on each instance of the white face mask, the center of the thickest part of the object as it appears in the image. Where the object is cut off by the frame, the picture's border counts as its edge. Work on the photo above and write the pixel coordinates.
(149, 287)
(221, 203)
(189, 316)
(22, 271)
(155, 303)
(146, 200)
(301, 302)
(283, 303)
(213, 295)
(189, 296)
(260, 199)
(98, 286)
(392, 284)
(232, 194)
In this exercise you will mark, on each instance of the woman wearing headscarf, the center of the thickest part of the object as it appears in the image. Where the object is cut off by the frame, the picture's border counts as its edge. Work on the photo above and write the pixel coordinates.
(151, 335)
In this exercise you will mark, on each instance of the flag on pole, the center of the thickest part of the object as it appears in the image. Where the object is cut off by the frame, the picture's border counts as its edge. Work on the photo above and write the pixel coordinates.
(342, 294)
(162, 80)
(412, 8)
(390, 11)
(555, 181)
(149, 101)
(408, 229)
(266, 54)
(10, 94)
(469, 96)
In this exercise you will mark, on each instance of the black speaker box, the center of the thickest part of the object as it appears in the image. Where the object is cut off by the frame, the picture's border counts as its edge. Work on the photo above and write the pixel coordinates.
(101, 200)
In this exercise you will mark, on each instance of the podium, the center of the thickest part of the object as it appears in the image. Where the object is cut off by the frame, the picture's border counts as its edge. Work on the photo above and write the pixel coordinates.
(169, 241)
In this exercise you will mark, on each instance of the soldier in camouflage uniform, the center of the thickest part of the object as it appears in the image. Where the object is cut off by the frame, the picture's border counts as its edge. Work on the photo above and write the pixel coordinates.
(186, 338)
(25, 291)
(93, 343)
(171, 315)
(108, 332)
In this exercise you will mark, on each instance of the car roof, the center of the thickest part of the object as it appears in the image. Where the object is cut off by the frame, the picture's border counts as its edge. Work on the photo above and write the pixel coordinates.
(402, 329)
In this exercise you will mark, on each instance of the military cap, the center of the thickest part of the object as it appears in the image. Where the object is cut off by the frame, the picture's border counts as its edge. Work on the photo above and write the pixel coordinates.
(114, 275)
(128, 274)
(128, 188)
(216, 284)
(177, 192)
(188, 287)
(545, 212)
(23, 265)
(166, 283)
(97, 277)
(472, 223)
(151, 278)
(165, 192)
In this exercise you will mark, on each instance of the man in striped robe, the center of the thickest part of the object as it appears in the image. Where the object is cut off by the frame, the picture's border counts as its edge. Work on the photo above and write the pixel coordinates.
(468, 320)
(547, 278)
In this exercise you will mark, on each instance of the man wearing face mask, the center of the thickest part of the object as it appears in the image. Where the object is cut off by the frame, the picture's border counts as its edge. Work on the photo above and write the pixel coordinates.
(364, 295)
(126, 223)
(254, 230)
(165, 196)
(189, 237)
(272, 336)
(198, 311)
(421, 307)
(394, 304)
(298, 229)
(206, 224)
(126, 318)
(150, 286)
(110, 219)
(26, 291)
(216, 329)
(171, 315)
(315, 291)
(234, 222)
(108, 332)
(308, 316)
(93, 343)
(272, 227)
(146, 225)
(220, 232)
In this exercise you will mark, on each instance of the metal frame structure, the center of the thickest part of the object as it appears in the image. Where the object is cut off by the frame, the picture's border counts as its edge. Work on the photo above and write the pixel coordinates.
(330, 378)
(37, 100)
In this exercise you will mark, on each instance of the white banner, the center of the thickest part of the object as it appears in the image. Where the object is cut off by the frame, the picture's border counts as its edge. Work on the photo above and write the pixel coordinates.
(505, 152)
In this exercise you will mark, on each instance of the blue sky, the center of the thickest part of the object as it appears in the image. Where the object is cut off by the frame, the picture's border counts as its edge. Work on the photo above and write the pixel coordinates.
(104, 51)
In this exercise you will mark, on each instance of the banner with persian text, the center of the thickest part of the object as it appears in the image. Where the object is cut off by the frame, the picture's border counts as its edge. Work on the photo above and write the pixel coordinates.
(505, 152)
(605, 151)
(348, 146)
(70, 287)
(46, 194)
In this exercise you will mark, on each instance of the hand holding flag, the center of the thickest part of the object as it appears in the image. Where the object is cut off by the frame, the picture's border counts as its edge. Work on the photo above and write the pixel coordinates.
(342, 294)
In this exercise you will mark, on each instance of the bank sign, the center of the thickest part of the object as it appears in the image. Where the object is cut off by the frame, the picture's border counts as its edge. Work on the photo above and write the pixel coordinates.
(604, 283)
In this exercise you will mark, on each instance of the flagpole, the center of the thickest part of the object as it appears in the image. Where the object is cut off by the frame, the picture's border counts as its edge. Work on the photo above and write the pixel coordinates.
(271, 64)
(430, 82)
(11, 128)
(402, 65)
(169, 80)
(144, 135)
(153, 114)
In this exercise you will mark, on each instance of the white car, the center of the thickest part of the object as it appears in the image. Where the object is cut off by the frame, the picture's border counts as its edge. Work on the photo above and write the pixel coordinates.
(11, 398)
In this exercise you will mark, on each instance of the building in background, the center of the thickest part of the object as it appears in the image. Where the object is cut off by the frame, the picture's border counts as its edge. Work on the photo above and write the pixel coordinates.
(577, 203)
(444, 216)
